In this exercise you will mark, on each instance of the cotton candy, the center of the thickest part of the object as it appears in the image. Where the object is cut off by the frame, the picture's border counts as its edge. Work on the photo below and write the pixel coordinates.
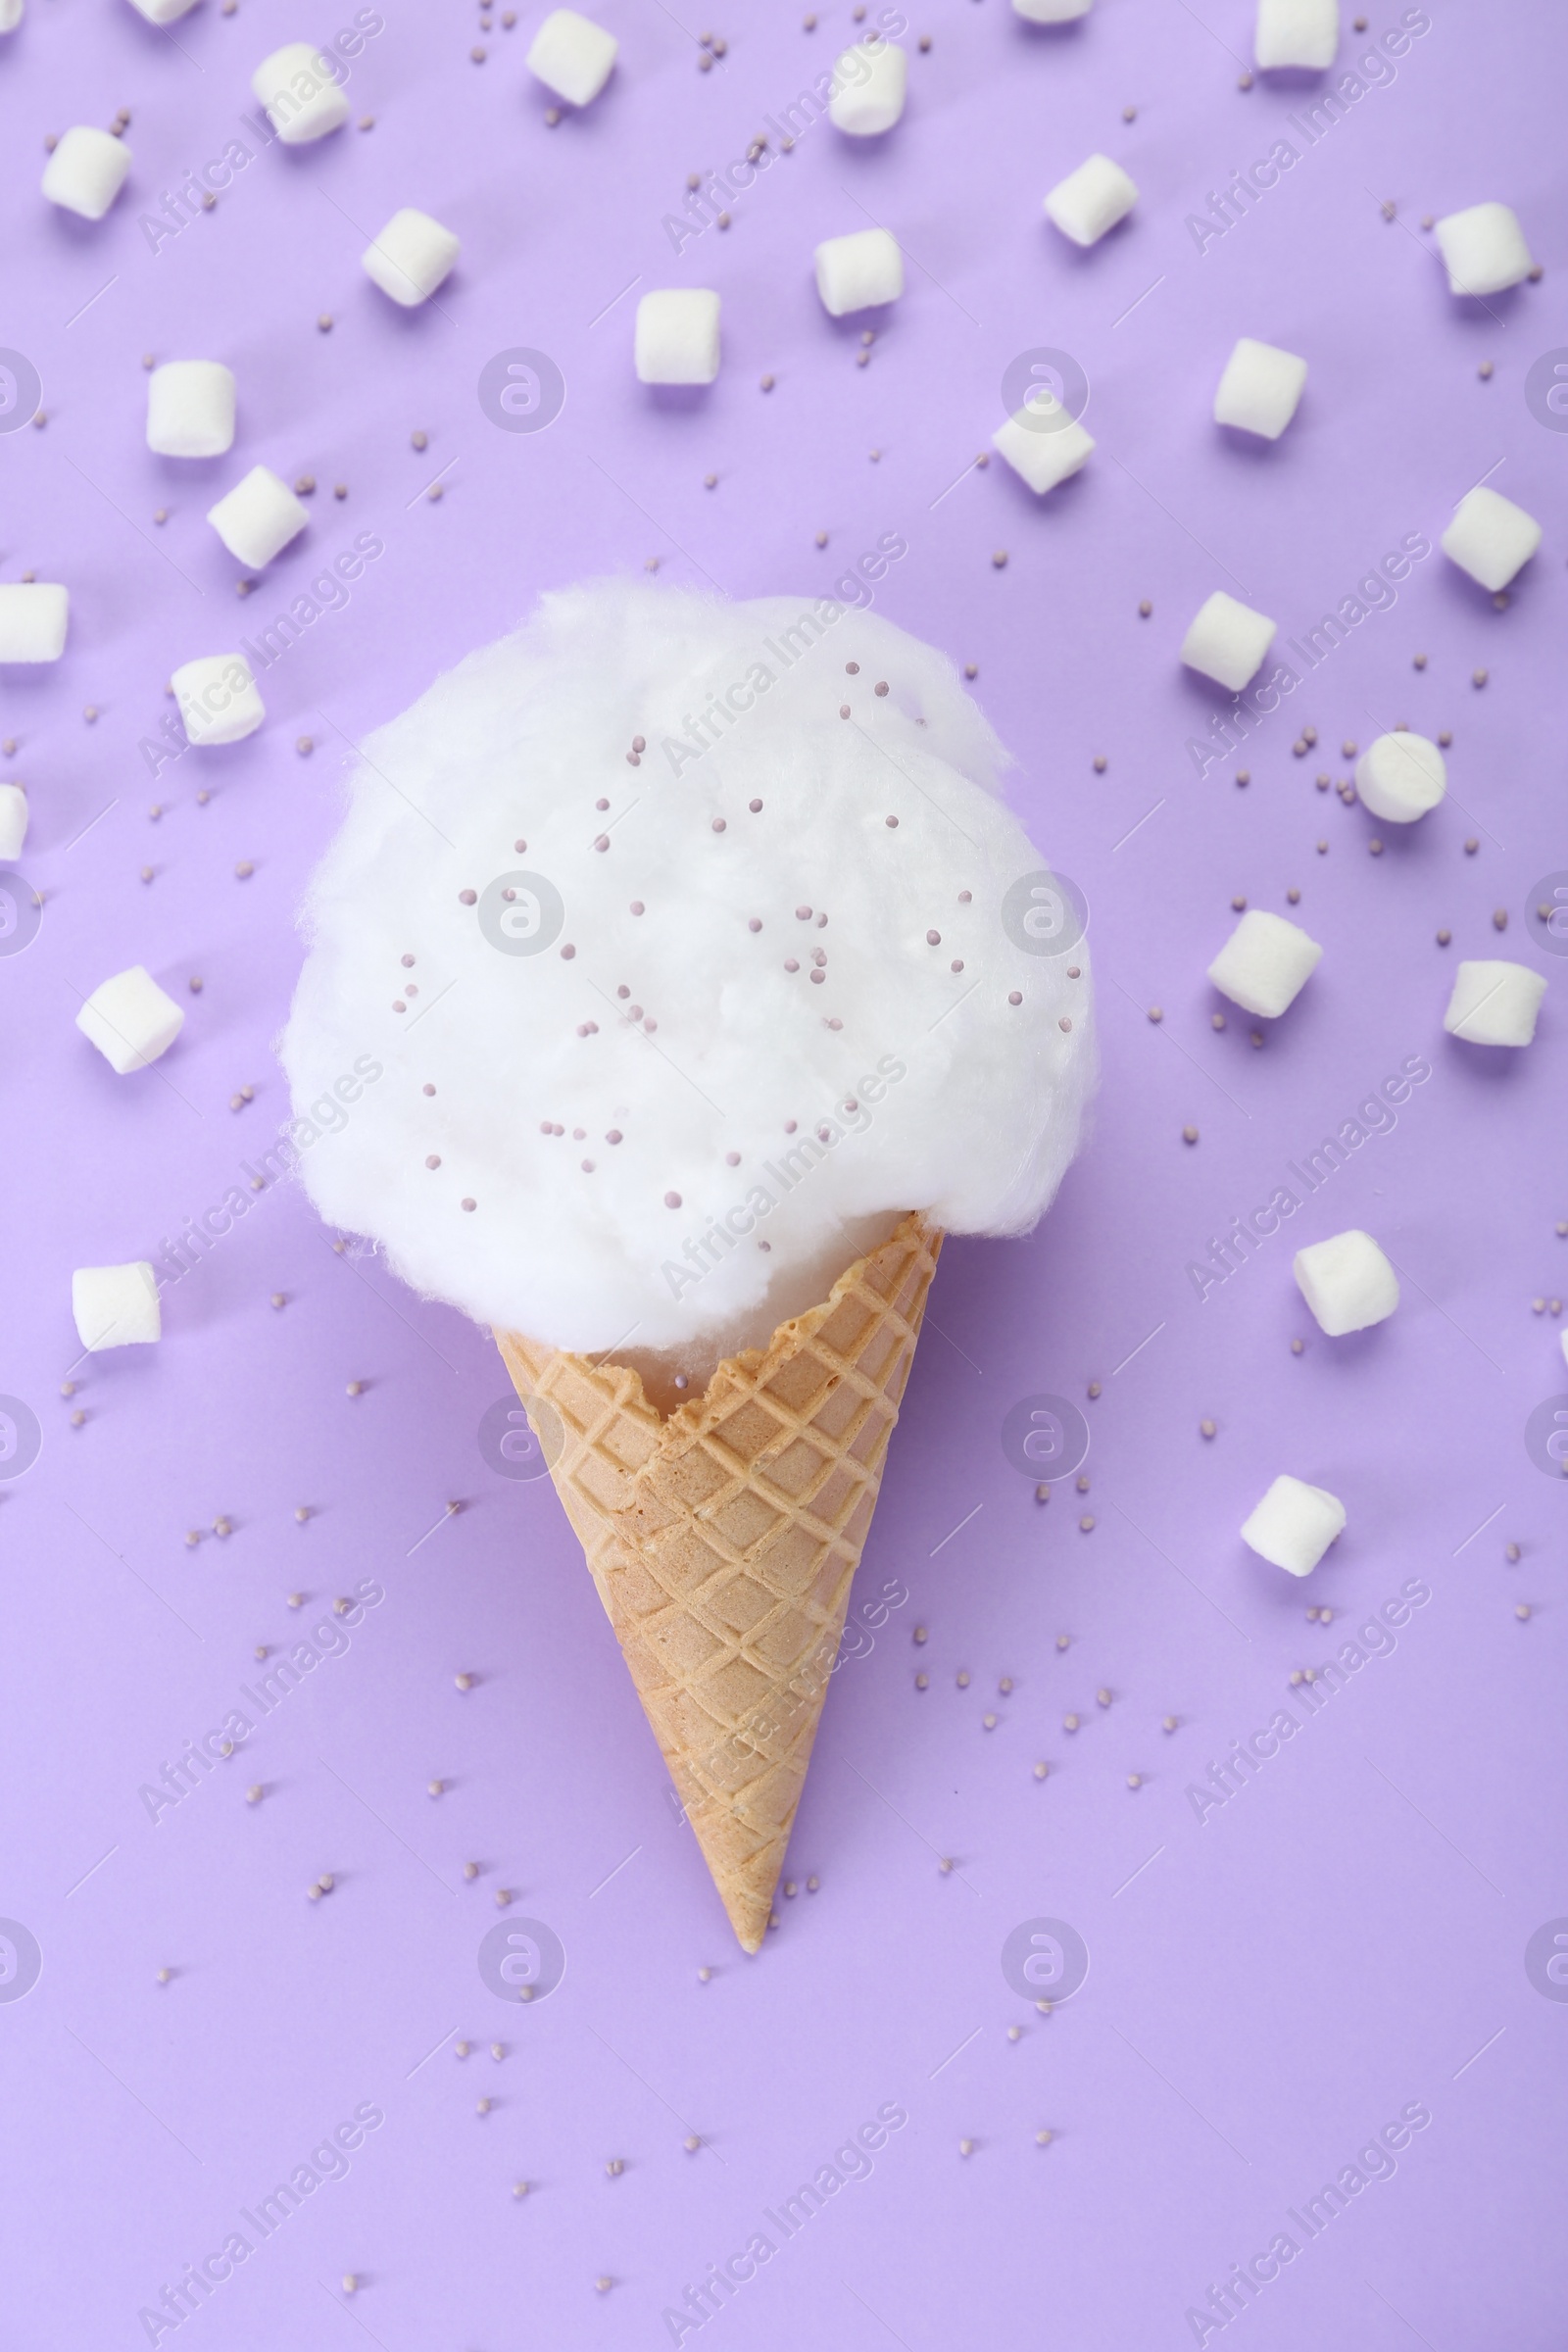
(696, 1025)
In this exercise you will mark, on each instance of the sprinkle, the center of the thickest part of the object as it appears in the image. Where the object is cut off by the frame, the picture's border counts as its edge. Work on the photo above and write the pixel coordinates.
(672, 1200)
(1189, 1135)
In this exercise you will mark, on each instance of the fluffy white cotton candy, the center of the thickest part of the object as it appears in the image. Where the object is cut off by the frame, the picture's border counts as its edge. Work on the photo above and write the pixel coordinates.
(1401, 776)
(1491, 538)
(1484, 249)
(1494, 1003)
(412, 257)
(1091, 201)
(86, 171)
(1293, 1525)
(761, 982)
(870, 80)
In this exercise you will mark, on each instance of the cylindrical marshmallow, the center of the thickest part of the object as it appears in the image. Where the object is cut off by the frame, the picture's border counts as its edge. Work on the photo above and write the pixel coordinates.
(1265, 963)
(1091, 200)
(1489, 537)
(1052, 11)
(33, 614)
(870, 84)
(1296, 32)
(676, 340)
(115, 1306)
(190, 408)
(859, 272)
(297, 84)
(1484, 249)
(257, 517)
(12, 822)
(1494, 1003)
(412, 257)
(217, 698)
(162, 11)
(131, 1020)
(1043, 444)
(1400, 776)
(572, 56)
(1293, 1525)
(1260, 389)
(1346, 1281)
(1226, 641)
(86, 171)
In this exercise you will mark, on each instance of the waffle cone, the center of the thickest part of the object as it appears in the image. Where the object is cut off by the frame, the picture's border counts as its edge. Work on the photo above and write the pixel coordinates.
(723, 1541)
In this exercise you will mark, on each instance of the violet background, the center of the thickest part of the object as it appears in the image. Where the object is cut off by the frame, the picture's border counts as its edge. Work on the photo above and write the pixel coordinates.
(1267, 1989)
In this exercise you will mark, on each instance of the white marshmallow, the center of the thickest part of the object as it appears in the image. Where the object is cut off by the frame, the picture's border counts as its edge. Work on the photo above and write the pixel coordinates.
(1260, 388)
(1346, 1281)
(676, 340)
(190, 408)
(217, 698)
(572, 56)
(1265, 963)
(1044, 455)
(412, 257)
(86, 171)
(1400, 776)
(257, 517)
(1051, 11)
(131, 1020)
(1491, 538)
(162, 11)
(298, 87)
(873, 80)
(1091, 200)
(1296, 32)
(1293, 1525)
(32, 620)
(115, 1306)
(1226, 641)
(1484, 249)
(1494, 1004)
(12, 822)
(10, 15)
(859, 272)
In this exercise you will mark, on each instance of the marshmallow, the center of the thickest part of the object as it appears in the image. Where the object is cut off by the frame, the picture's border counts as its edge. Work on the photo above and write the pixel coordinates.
(1484, 249)
(1091, 200)
(572, 56)
(298, 87)
(411, 258)
(131, 1020)
(1491, 538)
(86, 171)
(1260, 389)
(1265, 963)
(1226, 641)
(12, 822)
(115, 1306)
(217, 698)
(1401, 776)
(1051, 11)
(677, 337)
(257, 517)
(859, 272)
(1296, 32)
(1044, 453)
(1494, 1004)
(1293, 1525)
(162, 11)
(33, 621)
(190, 408)
(10, 15)
(1346, 1281)
(869, 84)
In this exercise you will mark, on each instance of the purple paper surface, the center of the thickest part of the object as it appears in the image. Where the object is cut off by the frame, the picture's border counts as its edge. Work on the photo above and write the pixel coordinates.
(1274, 1973)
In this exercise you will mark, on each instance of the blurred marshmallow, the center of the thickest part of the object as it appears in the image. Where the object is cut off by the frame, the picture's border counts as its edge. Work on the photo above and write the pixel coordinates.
(257, 517)
(162, 11)
(1051, 11)
(12, 822)
(115, 1306)
(1494, 1004)
(1265, 963)
(190, 408)
(1091, 200)
(572, 56)
(131, 1020)
(1484, 249)
(1042, 443)
(869, 86)
(10, 15)
(1296, 32)
(1346, 1281)
(676, 340)
(1260, 389)
(218, 699)
(1400, 776)
(298, 86)
(1226, 641)
(86, 171)
(1293, 1525)
(859, 272)
(1491, 538)
(32, 620)
(412, 257)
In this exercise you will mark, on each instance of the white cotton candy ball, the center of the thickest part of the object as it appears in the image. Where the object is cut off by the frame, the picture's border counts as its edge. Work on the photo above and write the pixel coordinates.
(779, 976)
(1401, 777)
